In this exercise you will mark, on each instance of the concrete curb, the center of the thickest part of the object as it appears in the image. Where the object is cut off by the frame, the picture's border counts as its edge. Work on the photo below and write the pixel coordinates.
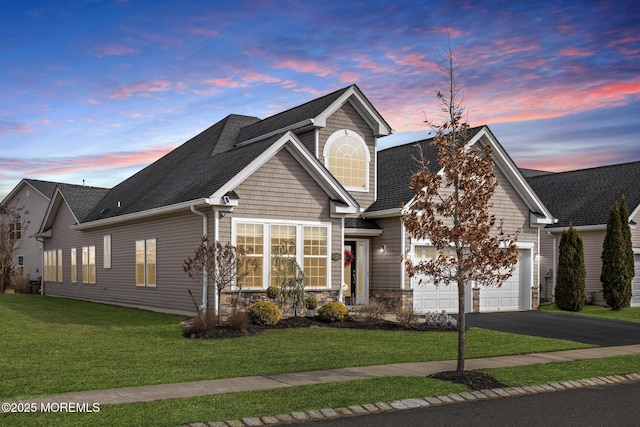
(397, 405)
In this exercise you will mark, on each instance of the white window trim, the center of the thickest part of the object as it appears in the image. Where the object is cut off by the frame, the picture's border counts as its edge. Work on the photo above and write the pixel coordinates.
(106, 255)
(266, 256)
(325, 155)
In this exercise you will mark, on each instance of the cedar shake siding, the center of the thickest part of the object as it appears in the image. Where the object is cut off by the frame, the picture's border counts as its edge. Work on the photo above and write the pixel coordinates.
(347, 117)
(387, 268)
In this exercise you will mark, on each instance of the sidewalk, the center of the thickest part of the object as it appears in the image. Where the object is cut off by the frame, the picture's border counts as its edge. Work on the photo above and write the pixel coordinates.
(232, 385)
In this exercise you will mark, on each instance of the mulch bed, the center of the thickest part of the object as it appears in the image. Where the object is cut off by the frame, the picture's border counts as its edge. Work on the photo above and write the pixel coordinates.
(224, 331)
(475, 380)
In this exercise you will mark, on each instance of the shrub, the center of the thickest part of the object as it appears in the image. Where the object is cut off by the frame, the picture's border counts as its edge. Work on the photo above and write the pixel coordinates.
(239, 321)
(407, 317)
(333, 312)
(264, 313)
(440, 320)
(570, 281)
(200, 325)
(311, 302)
(20, 284)
(273, 292)
(372, 312)
(616, 276)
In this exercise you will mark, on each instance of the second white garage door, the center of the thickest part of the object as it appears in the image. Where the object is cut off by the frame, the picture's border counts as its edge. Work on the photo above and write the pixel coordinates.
(512, 296)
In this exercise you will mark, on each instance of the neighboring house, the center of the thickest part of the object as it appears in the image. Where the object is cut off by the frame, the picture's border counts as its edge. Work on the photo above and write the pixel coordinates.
(311, 175)
(582, 198)
(33, 197)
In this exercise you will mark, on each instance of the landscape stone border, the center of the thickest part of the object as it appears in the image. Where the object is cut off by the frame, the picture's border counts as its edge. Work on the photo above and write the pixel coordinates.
(466, 396)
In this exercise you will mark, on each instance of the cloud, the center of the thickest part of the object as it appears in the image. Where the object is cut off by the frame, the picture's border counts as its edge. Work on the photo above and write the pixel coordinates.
(141, 88)
(205, 32)
(114, 50)
(65, 165)
(574, 51)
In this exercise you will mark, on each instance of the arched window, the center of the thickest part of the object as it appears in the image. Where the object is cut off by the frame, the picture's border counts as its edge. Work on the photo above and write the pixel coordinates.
(347, 157)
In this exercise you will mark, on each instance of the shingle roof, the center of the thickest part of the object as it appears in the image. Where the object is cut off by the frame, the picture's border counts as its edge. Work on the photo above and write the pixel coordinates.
(194, 170)
(396, 166)
(584, 197)
(81, 199)
(528, 173)
(361, 223)
(47, 188)
(289, 117)
(201, 166)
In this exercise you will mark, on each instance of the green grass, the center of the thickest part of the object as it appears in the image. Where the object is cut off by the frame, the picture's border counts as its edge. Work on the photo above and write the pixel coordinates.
(555, 372)
(246, 404)
(629, 314)
(287, 400)
(53, 346)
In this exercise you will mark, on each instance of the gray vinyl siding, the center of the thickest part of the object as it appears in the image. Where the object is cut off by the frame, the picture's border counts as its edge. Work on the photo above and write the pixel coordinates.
(546, 263)
(635, 231)
(34, 208)
(386, 268)
(347, 117)
(592, 242)
(177, 236)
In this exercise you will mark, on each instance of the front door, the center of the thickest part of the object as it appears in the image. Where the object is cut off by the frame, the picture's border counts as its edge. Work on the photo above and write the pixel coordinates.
(356, 272)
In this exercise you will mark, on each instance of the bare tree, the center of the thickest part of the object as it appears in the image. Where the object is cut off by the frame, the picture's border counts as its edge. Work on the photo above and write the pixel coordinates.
(222, 265)
(450, 208)
(13, 226)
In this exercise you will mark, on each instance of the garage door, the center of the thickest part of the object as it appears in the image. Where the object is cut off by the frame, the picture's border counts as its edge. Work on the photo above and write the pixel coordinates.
(510, 296)
(635, 295)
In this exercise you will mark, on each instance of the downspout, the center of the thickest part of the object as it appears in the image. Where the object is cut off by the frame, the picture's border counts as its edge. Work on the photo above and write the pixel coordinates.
(216, 237)
(205, 277)
(553, 272)
(41, 264)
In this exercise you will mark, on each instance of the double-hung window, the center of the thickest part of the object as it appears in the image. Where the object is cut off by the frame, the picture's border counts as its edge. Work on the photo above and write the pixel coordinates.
(88, 264)
(146, 262)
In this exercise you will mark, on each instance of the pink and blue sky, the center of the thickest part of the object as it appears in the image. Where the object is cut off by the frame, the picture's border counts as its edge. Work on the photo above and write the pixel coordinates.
(95, 90)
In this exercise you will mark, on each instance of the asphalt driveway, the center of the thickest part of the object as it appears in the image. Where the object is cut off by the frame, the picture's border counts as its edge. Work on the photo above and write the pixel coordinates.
(588, 330)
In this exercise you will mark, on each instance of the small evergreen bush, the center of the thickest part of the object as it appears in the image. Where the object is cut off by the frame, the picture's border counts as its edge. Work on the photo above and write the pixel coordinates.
(333, 312)
(311, 302)
(273, 292)
(570, 280)
(264, 313)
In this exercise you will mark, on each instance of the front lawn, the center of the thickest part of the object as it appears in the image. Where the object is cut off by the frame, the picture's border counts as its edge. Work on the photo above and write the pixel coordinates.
(53, 345)
(629, 314)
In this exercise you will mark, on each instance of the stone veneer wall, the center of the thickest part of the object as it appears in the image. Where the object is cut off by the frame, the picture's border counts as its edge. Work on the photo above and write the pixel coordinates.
(228, 299)
(393, 299)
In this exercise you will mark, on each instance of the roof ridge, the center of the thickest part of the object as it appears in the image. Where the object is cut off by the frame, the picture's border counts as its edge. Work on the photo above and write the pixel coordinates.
(592, 168)
(404, 144)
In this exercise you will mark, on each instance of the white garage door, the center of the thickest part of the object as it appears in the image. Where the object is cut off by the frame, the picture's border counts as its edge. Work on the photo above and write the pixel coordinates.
(510, 297)
(635, 295)
(426, 295)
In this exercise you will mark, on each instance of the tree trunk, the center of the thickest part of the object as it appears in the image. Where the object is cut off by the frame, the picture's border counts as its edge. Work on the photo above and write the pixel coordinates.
(462, 337)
